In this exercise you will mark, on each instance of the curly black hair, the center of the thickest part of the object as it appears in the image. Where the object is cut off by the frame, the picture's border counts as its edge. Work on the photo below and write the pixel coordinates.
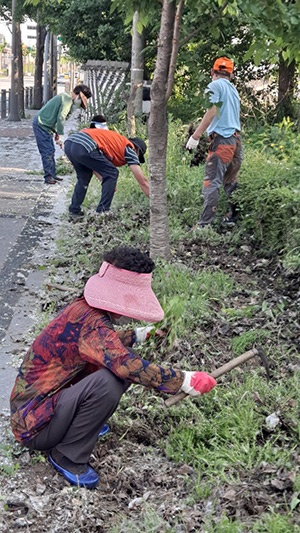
(129, 259)
(83, 89)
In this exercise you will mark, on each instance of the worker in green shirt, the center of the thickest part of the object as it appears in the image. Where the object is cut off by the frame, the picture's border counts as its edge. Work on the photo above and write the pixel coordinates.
(50, 121)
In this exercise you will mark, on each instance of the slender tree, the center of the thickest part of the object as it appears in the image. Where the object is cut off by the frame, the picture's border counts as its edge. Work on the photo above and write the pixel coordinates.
(41, 32)
(158, 136)
(135, 100)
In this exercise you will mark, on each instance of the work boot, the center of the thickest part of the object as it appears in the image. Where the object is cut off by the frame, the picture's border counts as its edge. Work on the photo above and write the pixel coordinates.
(76, 216)
(104, 430)
(50, 181)
(228, 222)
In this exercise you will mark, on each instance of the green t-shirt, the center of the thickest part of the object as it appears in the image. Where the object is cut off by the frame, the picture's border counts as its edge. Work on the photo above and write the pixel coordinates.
(53, 114)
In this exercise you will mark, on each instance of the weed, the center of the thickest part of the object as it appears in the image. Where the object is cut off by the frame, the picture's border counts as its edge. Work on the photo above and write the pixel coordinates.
(148, 522)
(224, 525)
(63, 166)
(274, 522)
(38, 457)
(248, 339)
(242, 312)
(8, 465)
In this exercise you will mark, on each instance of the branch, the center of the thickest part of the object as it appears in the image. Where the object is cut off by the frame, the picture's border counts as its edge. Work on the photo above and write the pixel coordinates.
(195, 32)
(175, 48)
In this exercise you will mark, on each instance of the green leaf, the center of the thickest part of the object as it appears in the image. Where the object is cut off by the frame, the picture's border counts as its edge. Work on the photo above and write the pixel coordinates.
(295, 502)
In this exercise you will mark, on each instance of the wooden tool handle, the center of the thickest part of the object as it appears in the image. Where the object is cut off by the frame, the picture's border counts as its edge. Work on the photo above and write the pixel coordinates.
(172, 400)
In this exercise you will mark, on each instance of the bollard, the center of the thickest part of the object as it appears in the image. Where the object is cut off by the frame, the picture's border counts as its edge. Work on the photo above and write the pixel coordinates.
(30, 98)
(3, 103)
(26, 97)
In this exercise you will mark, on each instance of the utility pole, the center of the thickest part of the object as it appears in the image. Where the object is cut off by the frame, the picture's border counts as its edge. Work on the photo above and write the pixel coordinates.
(14, 104)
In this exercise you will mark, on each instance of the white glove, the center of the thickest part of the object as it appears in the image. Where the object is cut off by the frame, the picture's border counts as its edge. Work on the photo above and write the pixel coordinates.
(192, 143)
(141, 334)
(197, 383)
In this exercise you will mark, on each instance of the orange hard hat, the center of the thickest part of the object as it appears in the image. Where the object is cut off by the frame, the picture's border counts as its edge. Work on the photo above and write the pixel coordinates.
(223, 64)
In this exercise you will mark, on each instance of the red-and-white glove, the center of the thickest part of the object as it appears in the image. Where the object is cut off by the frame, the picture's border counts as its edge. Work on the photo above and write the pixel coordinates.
(141, 334)
(59, 141)
(196, 383)
(192, 143)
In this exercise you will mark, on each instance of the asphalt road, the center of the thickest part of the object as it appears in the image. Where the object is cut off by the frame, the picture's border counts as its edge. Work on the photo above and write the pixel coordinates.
(5, 83)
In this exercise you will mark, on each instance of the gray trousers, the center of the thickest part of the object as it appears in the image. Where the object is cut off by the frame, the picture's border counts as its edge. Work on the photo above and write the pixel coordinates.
(223, 163)
(80, 413)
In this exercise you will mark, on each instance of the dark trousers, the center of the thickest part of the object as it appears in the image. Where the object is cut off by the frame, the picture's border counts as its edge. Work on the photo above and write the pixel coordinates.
(80, 413)
(45, 144)
(222, 167)
(85, 163)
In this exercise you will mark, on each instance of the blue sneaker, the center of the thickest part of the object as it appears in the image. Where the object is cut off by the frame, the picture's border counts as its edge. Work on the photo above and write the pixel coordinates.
(105, 429)
(88, 479)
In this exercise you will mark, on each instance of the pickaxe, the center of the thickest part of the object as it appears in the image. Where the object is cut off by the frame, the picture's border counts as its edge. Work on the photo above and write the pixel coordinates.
(172, 400)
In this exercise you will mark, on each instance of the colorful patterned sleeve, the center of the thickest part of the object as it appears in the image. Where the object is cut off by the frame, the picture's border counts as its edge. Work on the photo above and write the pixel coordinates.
(127, 337)
(102, 346)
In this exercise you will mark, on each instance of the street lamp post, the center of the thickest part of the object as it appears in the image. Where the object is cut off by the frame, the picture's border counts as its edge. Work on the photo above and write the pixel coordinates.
(14, 107)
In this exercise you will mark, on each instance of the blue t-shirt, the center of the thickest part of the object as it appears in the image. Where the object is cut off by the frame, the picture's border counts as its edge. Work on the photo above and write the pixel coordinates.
(227, 120)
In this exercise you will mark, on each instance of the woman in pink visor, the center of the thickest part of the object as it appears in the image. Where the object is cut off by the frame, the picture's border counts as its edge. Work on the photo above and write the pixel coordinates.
(74, 374)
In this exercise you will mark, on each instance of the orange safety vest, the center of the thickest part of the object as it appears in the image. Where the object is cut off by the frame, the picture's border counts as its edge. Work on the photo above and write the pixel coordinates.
(111, 143)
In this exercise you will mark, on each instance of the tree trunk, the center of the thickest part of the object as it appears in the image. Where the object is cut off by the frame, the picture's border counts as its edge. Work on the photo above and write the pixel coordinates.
(135, 101)
(158, 137)
(131, 126)
(53, 66)
(46, 73)
(286, 86)
(38, 71)
(20, 71)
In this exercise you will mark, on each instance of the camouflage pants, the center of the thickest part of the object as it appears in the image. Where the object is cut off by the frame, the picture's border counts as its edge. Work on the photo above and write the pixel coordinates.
(223, 163)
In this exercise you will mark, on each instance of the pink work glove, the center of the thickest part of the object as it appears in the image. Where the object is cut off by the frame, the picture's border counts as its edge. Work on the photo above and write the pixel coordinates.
(196, 383)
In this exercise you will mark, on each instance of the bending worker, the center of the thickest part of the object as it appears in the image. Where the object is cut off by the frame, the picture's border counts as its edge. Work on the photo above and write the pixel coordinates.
(50, 121)
(101, 151)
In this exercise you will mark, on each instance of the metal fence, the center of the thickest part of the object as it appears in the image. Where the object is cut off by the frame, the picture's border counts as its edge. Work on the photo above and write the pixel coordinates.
(107, 80)
(5, 100)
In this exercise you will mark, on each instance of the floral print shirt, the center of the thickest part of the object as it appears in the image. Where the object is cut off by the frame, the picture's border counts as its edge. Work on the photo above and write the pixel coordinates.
(79, 341)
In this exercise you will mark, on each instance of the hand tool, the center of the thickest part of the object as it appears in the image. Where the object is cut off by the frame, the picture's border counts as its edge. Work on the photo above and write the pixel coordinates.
(172, 400)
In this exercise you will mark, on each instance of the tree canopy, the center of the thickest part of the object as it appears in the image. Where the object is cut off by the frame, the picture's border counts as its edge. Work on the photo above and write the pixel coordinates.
(89, 31)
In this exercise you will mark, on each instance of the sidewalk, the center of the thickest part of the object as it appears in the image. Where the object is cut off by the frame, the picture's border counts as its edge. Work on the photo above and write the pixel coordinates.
(31, 214)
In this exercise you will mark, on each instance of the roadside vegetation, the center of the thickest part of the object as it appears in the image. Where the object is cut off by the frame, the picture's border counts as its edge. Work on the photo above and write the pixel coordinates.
(235, 452)
(228, 462)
